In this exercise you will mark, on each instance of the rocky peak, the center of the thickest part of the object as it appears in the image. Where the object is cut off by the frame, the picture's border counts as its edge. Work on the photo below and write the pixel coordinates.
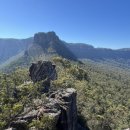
(50, 44)
(44, 39)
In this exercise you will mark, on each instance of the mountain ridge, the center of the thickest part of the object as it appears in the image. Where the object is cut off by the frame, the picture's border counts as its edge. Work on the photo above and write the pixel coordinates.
(50, 44)
(10, 47)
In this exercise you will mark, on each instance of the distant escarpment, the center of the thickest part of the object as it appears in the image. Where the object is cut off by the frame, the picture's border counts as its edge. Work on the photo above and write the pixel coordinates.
(49, 44)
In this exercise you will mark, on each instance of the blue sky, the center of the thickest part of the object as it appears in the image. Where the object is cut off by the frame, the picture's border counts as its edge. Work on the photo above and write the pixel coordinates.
(102, 23)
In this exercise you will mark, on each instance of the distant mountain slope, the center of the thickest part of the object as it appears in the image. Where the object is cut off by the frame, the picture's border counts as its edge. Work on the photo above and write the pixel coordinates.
(84, 51)
(45, 45)
(48, 45)
(11, 59)
(11, 47)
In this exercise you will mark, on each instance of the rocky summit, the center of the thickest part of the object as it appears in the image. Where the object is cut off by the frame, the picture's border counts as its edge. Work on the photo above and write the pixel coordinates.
(44, 39)
(51, 44)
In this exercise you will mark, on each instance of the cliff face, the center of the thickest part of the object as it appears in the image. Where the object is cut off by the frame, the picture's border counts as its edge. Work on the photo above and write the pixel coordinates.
(68, 117)
(51, 44)
(45, 39)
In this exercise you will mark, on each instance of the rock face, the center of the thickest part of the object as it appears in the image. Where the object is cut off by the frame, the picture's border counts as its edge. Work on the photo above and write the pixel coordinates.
(44, 39)
(42, 70)
(60, 106)
(51, 44)
(67, 102)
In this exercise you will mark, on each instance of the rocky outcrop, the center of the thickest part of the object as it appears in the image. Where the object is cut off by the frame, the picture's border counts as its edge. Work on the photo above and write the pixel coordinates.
(57, 109)
(67, 102)
(59, 106)
(45, 71)
(42, 70)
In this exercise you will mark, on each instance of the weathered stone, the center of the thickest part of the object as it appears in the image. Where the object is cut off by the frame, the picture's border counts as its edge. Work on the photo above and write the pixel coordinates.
(60, 106)
(68, 116)
(42, 70)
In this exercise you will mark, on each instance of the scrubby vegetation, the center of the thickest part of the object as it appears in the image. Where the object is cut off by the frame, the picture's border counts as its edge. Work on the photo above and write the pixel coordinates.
(103, 97)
